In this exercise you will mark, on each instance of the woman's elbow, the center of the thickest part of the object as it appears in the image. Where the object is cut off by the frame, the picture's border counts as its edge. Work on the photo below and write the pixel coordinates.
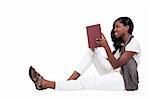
(116, 65)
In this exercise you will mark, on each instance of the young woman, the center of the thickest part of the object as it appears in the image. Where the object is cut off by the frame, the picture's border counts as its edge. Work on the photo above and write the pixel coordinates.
(117, 72)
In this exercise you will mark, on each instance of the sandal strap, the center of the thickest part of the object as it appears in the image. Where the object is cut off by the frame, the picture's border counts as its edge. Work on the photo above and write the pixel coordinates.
(39, 82)
(37, 79)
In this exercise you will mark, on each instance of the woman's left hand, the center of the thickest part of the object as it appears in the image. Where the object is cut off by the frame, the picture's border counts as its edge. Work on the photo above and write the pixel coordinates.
(102, 41)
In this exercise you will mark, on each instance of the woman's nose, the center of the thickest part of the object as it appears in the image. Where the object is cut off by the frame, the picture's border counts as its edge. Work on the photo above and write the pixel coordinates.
(114, 30)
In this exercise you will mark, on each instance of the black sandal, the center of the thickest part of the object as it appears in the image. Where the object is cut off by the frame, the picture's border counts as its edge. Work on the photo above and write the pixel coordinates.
(36, 78)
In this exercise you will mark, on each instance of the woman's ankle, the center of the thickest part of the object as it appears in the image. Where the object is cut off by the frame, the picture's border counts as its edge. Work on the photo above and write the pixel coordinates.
(48, 84)
(74, 76)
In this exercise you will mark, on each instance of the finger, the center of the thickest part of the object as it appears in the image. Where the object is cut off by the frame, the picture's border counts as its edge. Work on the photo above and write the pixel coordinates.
(97, 42)
(100, 39)
(103, 36)
(97, 38)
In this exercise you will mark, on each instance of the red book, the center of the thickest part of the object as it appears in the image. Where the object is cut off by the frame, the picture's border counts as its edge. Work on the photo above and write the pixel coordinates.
(93, 32)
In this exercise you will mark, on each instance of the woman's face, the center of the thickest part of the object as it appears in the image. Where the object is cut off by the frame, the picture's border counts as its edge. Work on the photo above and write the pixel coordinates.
(120, 30)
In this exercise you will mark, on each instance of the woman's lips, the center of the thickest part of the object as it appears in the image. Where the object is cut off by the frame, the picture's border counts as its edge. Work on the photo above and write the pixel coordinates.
(116, 33)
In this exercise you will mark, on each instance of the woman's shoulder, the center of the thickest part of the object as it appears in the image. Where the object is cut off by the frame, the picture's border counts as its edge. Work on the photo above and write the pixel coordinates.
(133, 45)
(134, 42)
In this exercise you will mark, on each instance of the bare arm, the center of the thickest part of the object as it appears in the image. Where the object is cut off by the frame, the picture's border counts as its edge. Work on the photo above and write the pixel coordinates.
(122, 60)
(114, 62)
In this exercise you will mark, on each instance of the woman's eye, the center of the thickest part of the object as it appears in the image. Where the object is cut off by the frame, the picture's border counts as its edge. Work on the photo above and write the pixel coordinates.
(116, 26)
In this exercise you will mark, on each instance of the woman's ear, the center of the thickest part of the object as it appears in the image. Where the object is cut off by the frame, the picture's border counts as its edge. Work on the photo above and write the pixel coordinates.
(127, 28)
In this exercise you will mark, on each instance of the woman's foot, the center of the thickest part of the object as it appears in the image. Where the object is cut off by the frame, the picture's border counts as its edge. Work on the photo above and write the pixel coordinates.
(36, 78)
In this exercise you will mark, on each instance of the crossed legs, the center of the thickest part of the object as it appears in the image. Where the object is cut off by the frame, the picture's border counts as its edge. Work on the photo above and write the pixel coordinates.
(101, 64)
(92, 56)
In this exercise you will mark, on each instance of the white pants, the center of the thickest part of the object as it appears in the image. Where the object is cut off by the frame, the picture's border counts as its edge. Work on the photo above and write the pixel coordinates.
(108, 79)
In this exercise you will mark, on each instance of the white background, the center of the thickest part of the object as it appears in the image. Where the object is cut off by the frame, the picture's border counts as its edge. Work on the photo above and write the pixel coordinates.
(51, 36)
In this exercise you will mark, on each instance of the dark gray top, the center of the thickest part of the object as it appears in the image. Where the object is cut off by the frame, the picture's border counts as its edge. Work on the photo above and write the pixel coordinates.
(129, 71)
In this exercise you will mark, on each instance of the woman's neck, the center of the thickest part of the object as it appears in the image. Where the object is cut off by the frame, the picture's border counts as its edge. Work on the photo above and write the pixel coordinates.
(125, 37)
